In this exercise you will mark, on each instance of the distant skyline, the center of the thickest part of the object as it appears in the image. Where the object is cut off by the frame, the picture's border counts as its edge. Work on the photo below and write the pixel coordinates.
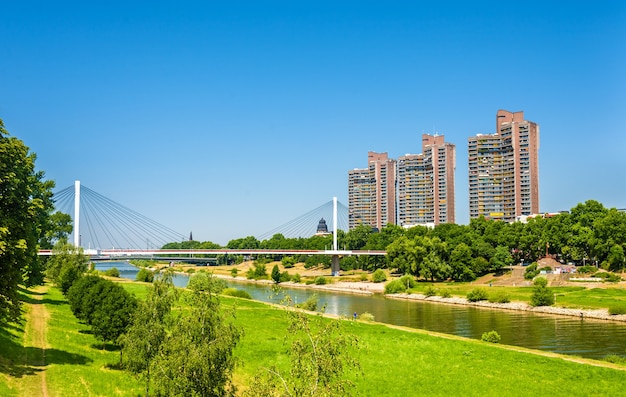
(231, 119)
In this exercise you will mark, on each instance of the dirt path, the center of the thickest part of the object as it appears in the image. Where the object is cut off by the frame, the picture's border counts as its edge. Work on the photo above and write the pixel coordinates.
(35, 344)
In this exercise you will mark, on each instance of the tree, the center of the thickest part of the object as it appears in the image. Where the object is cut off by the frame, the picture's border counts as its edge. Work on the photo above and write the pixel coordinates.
(196, 357)
(25, 205)
(113, 313)
(542, 295)
(320, 357)
(67, 264)
(148, 329)
(276, 274)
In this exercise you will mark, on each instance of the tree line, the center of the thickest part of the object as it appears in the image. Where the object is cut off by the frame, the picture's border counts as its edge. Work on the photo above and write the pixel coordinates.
(588, 234)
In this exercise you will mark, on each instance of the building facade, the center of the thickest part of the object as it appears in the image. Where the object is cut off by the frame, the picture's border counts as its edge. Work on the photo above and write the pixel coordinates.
(504, 169)
(426, 184)
(372, 192)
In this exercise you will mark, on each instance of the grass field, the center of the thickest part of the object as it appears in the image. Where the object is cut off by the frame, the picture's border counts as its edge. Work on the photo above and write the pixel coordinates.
(394, 362)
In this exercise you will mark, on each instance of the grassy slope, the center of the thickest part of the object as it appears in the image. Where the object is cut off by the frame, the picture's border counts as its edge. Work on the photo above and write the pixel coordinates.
(394, 362)
(402, 362)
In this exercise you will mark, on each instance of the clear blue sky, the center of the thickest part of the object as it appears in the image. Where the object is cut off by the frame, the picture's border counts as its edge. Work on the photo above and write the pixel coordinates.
(229, 119)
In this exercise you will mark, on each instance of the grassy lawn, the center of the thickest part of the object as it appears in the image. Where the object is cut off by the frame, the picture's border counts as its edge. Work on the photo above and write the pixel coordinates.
(394, 362)
(571, 296)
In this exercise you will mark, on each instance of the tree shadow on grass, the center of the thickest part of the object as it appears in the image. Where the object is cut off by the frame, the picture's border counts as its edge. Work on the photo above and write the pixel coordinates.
(106, 346)
(26, 296)
(18, 361)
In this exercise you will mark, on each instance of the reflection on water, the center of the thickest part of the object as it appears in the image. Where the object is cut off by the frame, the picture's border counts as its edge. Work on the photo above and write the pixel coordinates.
(560, 334)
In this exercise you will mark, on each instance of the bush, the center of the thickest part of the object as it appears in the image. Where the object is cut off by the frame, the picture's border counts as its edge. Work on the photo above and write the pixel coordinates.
(203, 281)
(320, 280)
(288, 262)
(445, 293)
(112, 272)
(363, 277)
(531, 271)
(191, 270)
(408, 280)
(395, 287)
(379, 276)
(276, 274)
(609, 277)
(234, 271)
(258, 272)
(239, 293)
(586, 269)
(619, 308)
(491, 337)
(477, 294)
(296, 278)
(542, 295)
(430, 291)
(145, 275)
(365, 316)
(499, 297)
(310, 304)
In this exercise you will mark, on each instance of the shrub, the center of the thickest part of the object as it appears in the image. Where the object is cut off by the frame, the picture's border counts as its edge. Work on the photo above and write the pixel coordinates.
(586, 269)
(619, 308)
(491, 337)
(234, 271)
(445, 293)
(239, 293)
(542, 295)
(112, 272)
(320, 280)
(395, 287)
(609, 277)
(363, 277)
(366, 316)
(296, 278)
(477, 294)
(379, 276)
(615, 359)
(531, 271)
(190, 270)
(203, 281)
(499, 297)
(310, 304)
(288, 262)
(430, 291)
(408, 280)
(145, 275)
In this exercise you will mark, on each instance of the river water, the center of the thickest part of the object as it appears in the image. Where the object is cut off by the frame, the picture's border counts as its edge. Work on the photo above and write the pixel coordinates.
(559, 334)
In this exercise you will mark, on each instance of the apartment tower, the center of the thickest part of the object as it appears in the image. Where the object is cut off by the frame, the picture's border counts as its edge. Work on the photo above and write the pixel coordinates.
(504, 169)
(372, 192)
(426, 184)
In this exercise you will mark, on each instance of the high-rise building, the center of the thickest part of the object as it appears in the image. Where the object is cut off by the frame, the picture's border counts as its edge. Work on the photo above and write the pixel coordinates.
(504, 169)
(372, 192)
(426, 184)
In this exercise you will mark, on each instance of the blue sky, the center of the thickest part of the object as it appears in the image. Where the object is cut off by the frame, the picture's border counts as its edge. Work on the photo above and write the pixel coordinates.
(229, 119)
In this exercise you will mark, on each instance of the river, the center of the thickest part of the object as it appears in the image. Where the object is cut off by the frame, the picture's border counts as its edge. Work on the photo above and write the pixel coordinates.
(559, 334)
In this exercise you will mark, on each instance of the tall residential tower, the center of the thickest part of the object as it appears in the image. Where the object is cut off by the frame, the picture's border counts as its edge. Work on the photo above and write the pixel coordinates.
(426, 184)
(504, 169)
(372, 192)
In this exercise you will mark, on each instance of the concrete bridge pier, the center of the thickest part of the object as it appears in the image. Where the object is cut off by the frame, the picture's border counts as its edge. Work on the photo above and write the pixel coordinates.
(334, 265)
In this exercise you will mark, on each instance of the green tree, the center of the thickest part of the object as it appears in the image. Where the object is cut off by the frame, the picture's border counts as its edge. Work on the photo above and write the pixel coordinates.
(67, 264)
(25, 205)
(501, 258)
(148, 329)
(276, 274)
(321, 353)
(113, 312)
(203, 281)
(542, 295)
(196, 357)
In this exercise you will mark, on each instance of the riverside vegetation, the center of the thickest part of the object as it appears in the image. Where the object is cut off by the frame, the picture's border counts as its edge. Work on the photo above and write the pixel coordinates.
(416, 362)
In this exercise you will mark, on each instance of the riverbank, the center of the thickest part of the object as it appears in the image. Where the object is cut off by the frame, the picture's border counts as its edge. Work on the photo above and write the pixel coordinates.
(369, 288)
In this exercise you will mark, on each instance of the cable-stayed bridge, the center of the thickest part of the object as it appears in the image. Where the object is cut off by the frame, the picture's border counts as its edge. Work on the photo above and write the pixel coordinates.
(109, 225)
(103, 224)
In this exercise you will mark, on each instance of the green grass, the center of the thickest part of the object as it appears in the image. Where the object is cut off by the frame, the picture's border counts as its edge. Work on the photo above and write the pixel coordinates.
(572, 297)
(394, 362)
(419, 364)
